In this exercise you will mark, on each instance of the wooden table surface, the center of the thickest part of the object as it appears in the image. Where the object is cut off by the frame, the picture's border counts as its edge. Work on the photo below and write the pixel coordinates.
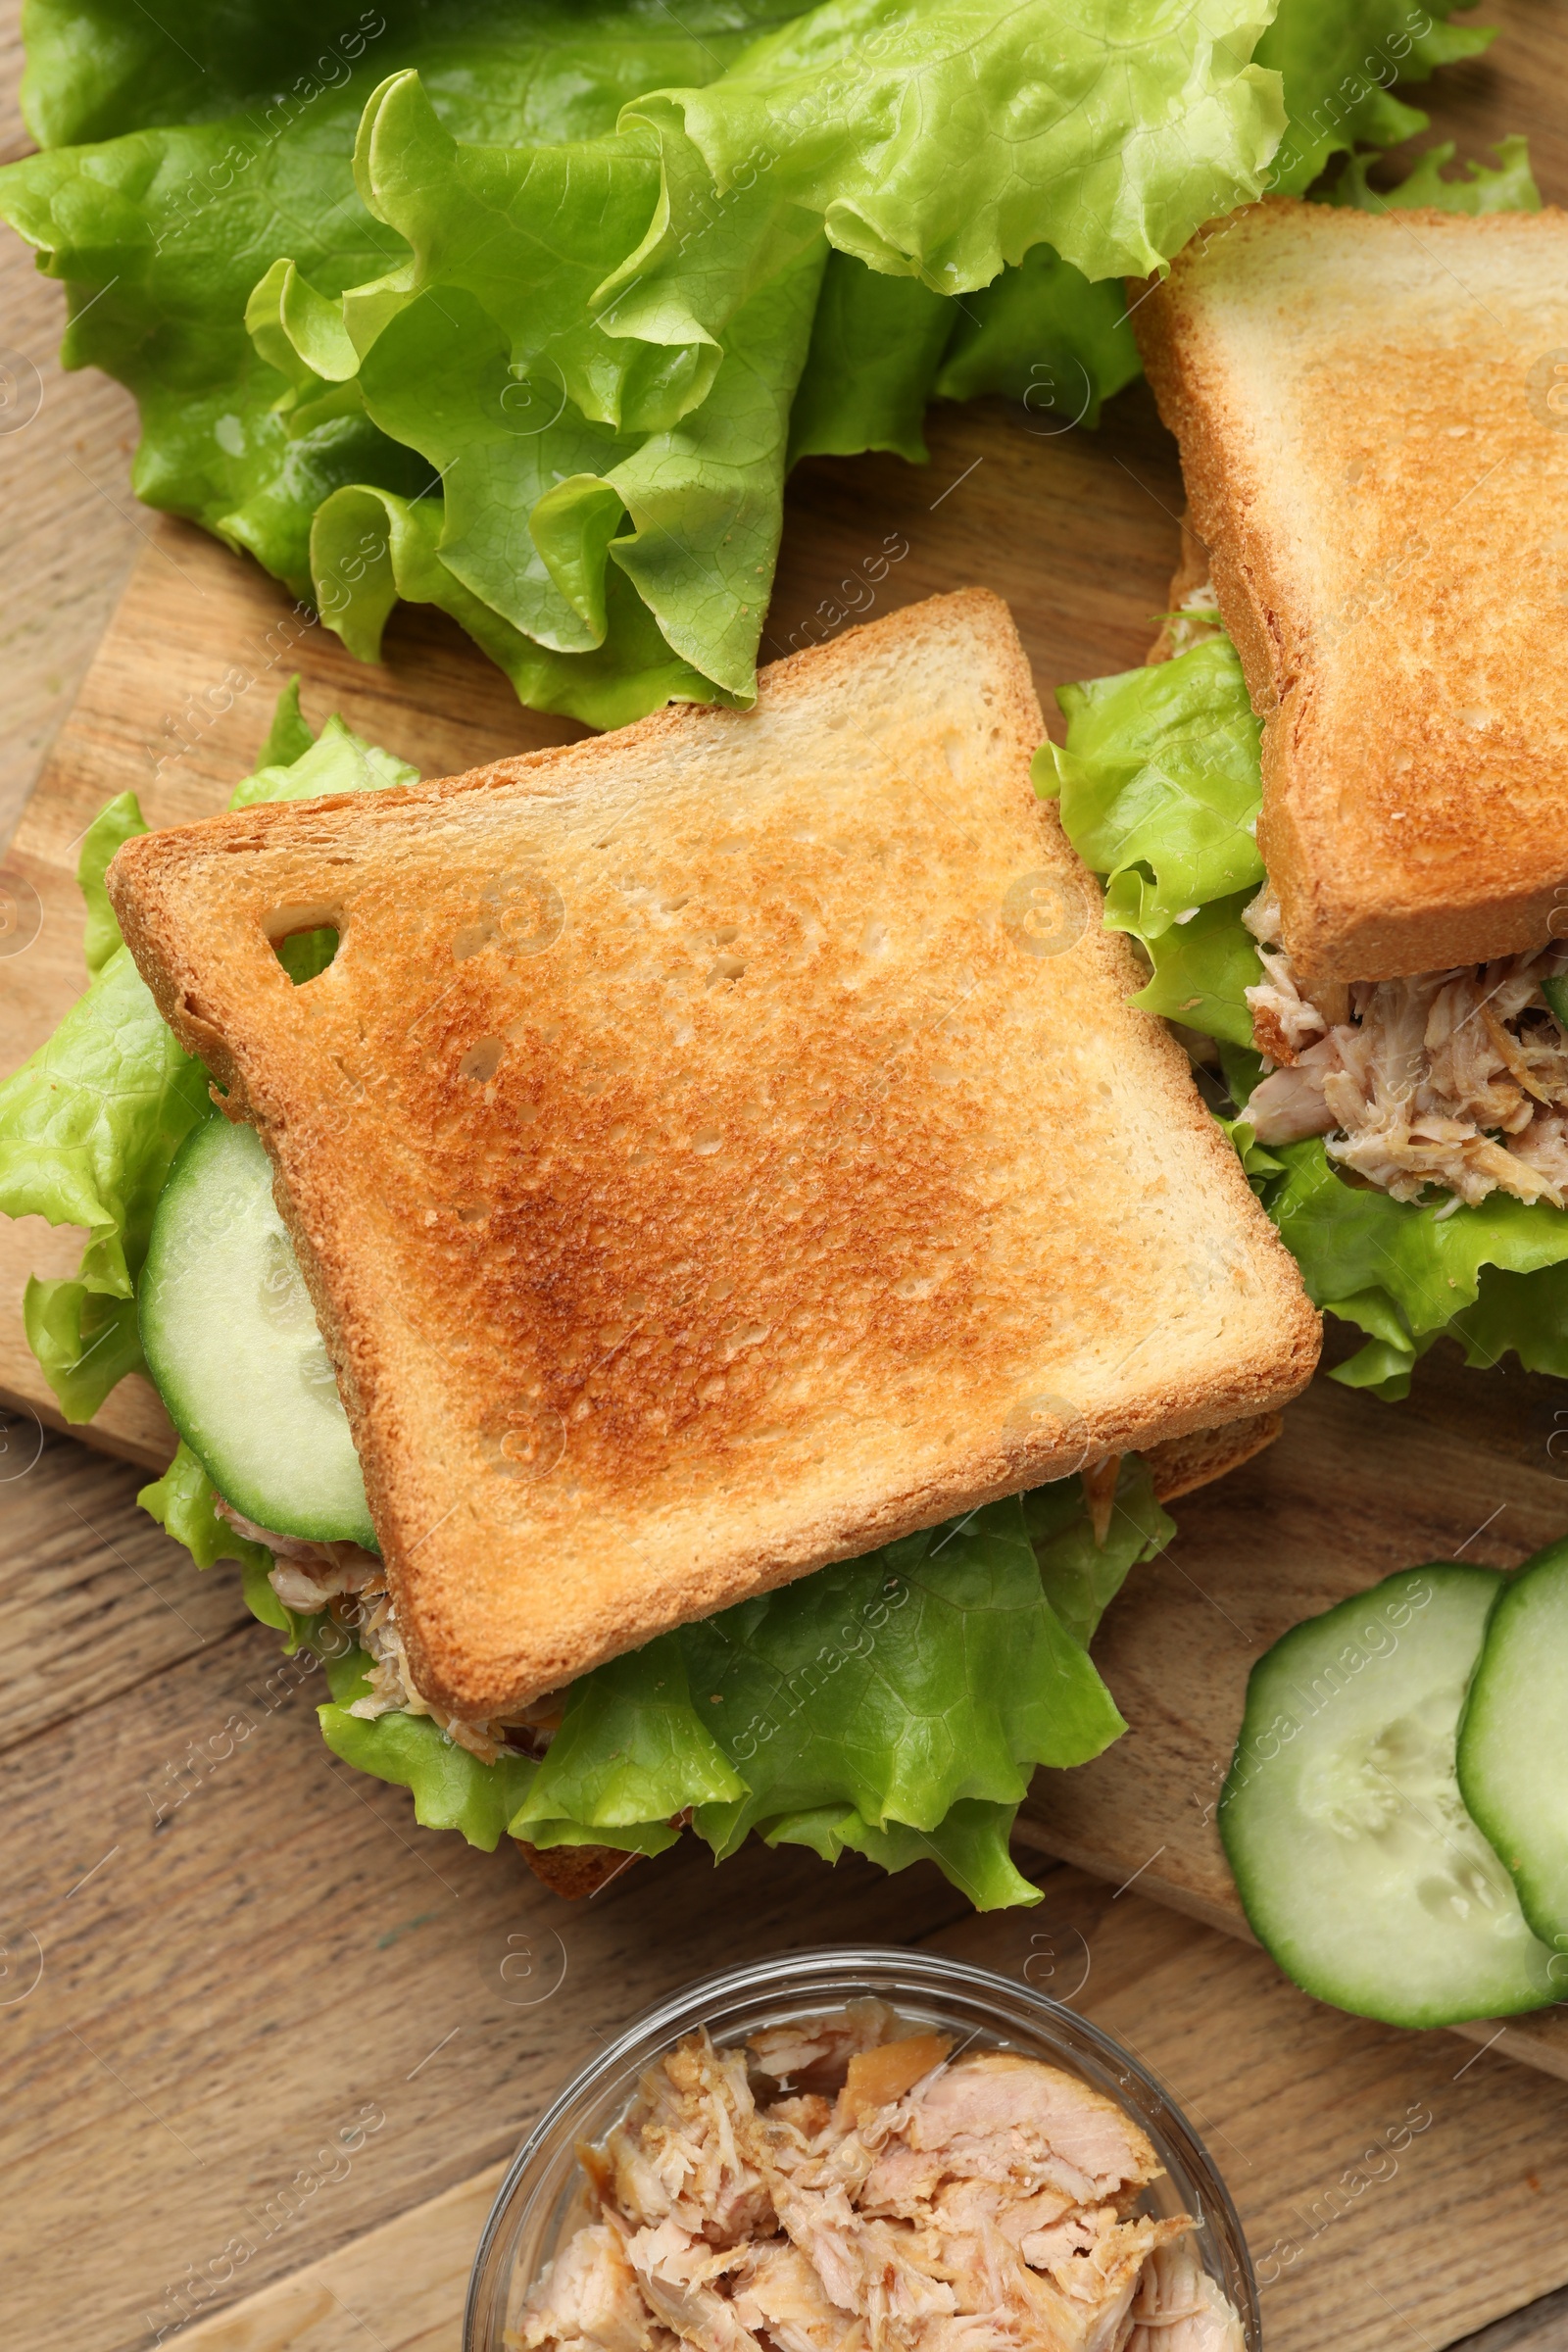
(218, 1947)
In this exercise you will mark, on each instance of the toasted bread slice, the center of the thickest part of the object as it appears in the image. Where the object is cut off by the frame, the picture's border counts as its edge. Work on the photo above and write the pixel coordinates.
(1373, 419)
(718, 1147)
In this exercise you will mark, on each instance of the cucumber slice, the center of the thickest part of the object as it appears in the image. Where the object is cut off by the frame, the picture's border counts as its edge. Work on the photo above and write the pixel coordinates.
(1513, 1744)
(231, 1339)
(1358, 1867)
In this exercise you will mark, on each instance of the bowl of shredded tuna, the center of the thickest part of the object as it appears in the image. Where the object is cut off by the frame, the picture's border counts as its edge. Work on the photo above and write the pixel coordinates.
(863, 2150)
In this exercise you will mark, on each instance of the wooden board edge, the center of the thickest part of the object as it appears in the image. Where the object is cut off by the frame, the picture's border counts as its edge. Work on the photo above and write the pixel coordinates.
(1539, 2038)
(284, 2313)
(129, 1436)
(1030, 1833)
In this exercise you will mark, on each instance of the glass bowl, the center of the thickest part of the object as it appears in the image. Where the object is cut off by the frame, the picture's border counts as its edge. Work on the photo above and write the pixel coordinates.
(541, 2200)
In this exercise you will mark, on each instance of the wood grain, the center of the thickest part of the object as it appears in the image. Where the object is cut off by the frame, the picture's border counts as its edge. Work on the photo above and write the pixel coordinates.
(1541, 2327)
(70, 528)
(93, 1597)
(216, 1946)
(242, 1948)
(401, 2286)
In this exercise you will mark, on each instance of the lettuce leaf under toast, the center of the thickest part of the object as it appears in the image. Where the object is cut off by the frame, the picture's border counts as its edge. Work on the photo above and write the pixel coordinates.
(892, 1705)
(90, 1124)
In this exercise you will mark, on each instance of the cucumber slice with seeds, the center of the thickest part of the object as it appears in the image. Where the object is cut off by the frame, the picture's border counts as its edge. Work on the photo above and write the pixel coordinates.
(231, 1339)
(1513, 1744)
(1358, 1867)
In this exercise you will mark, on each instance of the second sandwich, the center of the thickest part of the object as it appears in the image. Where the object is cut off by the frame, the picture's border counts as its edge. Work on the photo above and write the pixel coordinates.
(1343, 844)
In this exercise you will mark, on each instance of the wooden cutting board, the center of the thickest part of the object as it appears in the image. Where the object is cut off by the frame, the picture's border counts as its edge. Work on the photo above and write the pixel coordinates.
(173, 708)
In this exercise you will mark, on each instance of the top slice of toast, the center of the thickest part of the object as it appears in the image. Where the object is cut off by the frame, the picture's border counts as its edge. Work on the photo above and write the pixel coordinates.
(1373, 419)
(718, 1147)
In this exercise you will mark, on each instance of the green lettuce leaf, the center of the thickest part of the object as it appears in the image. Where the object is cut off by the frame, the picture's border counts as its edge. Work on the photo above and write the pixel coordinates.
(938, 1671)
(451, 1787)
(531, 69)
(923, 1682)
(1508, 187)
(1042, 334)
(1405, 1273)
(526, 354)
(98, 68)
(90, 1125)
(893, 1706)
(88, 1129)
(532, 520)
(528, 232)
(1160, 786)
(1204, 967)
(207, 159)
(184, 1503)
(288, 735)
(631, 1747)
(896, 1705)
(928, 143)
(121, 821)
(337, 761)
(237, 238)
(876, 345)
(1260, 1164)
(161, 236)
(84, 1338)
(369, 549)
(1337, 60)
(969, 1848)
(1082, 1578)
(633, 204)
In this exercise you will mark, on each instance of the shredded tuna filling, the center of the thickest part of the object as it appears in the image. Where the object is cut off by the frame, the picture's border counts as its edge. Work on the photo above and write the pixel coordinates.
(1194, 621)
(309, 1577)
(1456, 1079)
(932, 2205)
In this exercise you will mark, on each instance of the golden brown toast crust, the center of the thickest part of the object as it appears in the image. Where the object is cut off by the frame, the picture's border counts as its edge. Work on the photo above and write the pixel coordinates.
(718, 1147)
(1375, 445)
(1180, 1466)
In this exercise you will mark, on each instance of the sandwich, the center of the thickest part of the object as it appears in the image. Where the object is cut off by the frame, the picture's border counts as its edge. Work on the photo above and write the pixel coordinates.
(659, 1206)
(1334, 812)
